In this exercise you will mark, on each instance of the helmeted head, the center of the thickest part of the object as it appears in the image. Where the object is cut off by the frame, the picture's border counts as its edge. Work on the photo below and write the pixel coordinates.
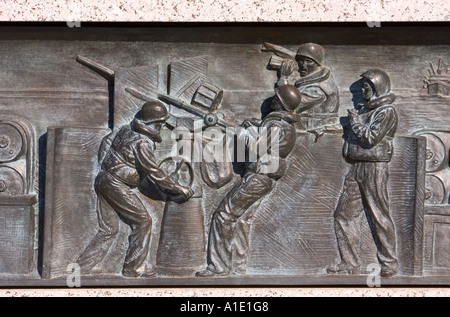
(154, 113)
(309, 57)
(376, 83)
(288, 96)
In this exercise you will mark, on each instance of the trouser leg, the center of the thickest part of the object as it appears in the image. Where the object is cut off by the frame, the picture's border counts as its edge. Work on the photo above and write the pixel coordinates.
(133, 213)
(373, 180)
(138, 244)
(346, 221)
(241, 245)
(219, 243)
(108, 222)
(127, 204)
(223, 230)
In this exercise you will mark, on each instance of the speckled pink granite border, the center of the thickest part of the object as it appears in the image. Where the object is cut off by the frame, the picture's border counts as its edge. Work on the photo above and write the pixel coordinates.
(229, 292)
(225, 10)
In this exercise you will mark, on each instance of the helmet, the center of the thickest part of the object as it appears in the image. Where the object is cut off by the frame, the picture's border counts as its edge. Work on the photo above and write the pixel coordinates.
(311, 50)
(289, 96)
(154, 111)
(379, 80)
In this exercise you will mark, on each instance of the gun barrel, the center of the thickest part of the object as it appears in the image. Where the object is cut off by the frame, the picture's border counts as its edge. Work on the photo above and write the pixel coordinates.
(137, 94)
(189, 108)
(100, 69)
(182, 105)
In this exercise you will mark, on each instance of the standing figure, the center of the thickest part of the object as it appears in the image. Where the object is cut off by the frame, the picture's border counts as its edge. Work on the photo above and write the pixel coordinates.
(230, 224)
(369, 148)
(126, 161)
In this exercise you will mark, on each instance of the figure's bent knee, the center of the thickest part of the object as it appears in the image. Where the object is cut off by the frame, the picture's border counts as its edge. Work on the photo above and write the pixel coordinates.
(145, 221)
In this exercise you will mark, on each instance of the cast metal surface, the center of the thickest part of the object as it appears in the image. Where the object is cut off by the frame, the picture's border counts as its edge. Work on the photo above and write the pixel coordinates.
(294, 155)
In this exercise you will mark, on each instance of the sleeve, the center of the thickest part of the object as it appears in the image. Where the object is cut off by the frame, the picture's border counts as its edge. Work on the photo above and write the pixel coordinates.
(311, 97)
(372, 133)
(249, 137)
(261, 142)
(147, 161)
(105, 145)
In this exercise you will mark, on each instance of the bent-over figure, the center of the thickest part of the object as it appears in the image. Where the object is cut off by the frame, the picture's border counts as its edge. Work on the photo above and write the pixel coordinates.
(230, 224)
(125, 163)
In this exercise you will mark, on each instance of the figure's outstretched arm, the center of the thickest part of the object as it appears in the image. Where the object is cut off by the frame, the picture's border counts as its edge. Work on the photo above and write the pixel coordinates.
(147, 161)
(278, 50)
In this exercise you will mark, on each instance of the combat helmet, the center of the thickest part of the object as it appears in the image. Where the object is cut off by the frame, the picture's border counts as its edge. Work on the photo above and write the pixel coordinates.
(379, 80)
(312, 51)
(154, 111)
(289, 96)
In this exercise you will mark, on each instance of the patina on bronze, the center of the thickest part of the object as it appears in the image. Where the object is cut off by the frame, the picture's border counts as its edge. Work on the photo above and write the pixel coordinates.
(180, 155)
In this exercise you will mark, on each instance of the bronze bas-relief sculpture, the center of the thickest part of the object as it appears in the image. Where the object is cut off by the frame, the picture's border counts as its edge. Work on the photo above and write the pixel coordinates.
(304, 168)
